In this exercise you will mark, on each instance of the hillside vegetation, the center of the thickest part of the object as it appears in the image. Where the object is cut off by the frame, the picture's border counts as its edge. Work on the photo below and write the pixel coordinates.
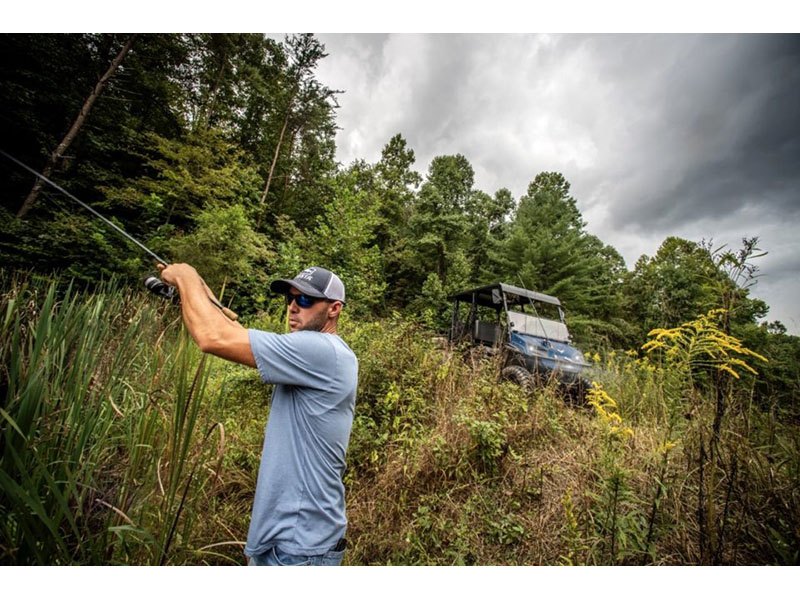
(121, 444)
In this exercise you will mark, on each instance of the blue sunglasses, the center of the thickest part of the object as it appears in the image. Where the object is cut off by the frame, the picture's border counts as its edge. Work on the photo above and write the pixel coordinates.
(302, 300)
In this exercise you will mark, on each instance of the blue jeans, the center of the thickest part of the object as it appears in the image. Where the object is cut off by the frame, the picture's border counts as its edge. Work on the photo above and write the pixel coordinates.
(275, 557)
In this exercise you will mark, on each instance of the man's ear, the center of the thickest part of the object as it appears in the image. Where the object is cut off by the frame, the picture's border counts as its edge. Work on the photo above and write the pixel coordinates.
(334, 309)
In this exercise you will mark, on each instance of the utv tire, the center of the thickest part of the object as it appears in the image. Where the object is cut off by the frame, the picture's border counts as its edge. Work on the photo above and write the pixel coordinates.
(518, 375)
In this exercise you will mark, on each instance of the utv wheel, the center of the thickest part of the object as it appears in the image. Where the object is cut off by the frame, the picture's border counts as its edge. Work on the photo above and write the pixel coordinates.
(518, 375)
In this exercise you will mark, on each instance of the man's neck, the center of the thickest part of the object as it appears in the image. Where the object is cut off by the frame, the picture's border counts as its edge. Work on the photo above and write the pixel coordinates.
(329, 328)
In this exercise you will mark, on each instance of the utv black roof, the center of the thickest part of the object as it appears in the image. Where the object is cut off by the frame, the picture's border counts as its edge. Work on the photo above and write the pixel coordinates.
(488, 295)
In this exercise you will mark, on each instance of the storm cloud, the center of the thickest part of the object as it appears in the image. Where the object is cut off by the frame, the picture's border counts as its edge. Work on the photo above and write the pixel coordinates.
(691, 135)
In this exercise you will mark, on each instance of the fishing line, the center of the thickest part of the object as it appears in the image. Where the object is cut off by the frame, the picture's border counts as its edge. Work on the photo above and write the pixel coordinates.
(86, 206)
(154, 284)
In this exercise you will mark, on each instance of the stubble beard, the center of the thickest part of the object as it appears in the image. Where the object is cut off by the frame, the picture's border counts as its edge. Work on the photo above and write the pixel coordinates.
(315, 324)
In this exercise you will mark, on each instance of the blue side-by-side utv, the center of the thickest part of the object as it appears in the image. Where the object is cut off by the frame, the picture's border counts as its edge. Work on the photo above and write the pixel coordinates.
(530, 331)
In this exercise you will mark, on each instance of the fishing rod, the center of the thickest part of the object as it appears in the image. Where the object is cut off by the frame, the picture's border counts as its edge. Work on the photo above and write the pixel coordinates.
(152, 283)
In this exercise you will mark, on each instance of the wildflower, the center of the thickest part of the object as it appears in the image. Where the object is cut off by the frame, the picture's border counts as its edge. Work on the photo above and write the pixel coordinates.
(606, 408)
(701, 343)
(667, 446)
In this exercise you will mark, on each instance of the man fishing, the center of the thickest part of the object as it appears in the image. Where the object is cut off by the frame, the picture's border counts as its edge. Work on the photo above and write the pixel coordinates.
(298, 515)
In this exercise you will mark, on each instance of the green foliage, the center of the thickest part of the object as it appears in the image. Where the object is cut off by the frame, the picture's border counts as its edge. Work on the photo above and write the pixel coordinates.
(223, 246)
(342, 240)
(674, 286)
(145, 453)
(84, 432)
(432, 299)
(394, 184)
(73, 244)
(189, 121)
(616, 513)
(391, 403)
(186, 176)
(699, 346)
(778, 385)
(439, 221)
(490, 443)
(299, 162)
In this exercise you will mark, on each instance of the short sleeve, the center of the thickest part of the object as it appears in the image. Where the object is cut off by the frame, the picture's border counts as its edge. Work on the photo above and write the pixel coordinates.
(303, 358)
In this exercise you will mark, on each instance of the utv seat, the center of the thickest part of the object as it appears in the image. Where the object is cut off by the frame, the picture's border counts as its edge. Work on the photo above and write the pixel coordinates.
(487, 333)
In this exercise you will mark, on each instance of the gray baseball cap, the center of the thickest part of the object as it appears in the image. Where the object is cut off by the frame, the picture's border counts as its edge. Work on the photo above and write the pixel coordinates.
(313, 281)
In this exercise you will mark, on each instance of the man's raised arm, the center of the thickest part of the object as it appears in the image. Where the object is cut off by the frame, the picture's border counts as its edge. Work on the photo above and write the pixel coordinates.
(211, 329)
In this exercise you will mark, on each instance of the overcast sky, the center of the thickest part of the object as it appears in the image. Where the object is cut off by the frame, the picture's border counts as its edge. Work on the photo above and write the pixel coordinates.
(696, 136)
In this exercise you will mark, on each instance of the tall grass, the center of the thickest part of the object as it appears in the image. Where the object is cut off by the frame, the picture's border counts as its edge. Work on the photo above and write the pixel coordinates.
(99, 419)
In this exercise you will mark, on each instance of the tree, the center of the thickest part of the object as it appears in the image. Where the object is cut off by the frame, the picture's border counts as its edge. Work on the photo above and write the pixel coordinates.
(741, 274)
(546, 248)
(394, 184)
(439, 221)
(778, 385)
(57, 154)
(487, 216)
(222, 245)
(304, 109)
(675, 286)
(185, 176)
(343, 240)
(45, 78)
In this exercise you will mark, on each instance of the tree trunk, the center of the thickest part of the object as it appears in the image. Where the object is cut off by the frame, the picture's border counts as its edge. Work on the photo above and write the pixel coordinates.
(275, 156)
(76, 126)
(288, 173)
(211, 97)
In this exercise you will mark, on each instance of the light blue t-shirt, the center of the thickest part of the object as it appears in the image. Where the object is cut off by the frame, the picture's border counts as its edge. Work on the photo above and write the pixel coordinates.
(299, 500)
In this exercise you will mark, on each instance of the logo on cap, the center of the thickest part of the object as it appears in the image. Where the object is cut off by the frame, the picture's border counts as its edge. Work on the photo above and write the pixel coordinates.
(308, 274)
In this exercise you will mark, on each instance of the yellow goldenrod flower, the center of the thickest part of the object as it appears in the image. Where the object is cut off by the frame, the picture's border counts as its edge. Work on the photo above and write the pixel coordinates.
(606, 408)
(701, 343)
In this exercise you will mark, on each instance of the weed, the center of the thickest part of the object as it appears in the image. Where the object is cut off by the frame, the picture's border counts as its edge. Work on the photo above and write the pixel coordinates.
(121, 444)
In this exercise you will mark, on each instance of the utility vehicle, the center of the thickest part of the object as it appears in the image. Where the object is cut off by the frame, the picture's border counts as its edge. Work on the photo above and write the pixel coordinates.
(528, 329)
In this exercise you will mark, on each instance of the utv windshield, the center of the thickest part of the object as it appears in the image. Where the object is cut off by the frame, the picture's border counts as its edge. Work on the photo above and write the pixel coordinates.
(535, 317)
(537, 326)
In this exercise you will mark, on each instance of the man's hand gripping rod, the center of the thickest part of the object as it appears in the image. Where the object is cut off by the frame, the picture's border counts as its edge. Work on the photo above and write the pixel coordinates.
(154, 284)
(158, 287)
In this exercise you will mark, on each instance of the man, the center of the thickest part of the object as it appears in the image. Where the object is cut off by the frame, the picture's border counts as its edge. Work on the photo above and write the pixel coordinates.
(298, 513)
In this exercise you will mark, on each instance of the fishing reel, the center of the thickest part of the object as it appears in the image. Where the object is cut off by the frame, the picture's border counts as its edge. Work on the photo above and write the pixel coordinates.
(159, 288)
(151, 282)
